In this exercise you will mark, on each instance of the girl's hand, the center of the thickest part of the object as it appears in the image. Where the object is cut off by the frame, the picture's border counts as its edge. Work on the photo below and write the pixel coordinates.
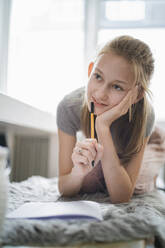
(84, 153)
(106, 118)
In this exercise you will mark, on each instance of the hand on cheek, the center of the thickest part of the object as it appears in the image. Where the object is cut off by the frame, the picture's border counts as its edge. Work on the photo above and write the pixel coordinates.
(106, 118)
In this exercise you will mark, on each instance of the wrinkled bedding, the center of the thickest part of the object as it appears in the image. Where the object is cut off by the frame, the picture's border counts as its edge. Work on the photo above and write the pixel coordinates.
(142, 217)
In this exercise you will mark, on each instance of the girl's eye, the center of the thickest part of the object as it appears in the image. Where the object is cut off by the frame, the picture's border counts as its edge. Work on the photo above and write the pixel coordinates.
(117, 87)
(97, 76)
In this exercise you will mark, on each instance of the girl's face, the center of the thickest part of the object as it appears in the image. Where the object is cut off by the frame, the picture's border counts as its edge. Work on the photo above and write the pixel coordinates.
(110, 78)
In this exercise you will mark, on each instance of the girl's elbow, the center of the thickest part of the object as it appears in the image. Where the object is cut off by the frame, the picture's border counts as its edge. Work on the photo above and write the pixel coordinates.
(120, 199)
(60, 187)
(64, 190)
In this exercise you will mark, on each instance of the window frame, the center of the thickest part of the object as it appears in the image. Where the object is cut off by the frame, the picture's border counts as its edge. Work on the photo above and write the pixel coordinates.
(5, 11)
(152, 20)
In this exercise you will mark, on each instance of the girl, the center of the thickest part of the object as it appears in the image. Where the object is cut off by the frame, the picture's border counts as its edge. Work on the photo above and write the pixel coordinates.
(118, 84)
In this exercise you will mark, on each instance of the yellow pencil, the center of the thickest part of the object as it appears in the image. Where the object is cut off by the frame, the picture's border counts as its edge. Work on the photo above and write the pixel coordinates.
(92, 125)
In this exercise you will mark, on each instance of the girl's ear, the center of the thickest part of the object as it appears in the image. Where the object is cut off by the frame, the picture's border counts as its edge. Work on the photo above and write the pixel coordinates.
(90, 67)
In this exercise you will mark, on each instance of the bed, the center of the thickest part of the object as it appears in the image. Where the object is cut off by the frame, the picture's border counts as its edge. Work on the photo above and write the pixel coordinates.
(142, 218)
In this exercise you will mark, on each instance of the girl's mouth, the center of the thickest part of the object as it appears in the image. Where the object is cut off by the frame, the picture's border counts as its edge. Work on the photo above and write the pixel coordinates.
(98, 104)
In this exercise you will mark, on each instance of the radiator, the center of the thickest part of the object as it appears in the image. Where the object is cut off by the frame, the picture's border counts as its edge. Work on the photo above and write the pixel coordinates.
(30, 157)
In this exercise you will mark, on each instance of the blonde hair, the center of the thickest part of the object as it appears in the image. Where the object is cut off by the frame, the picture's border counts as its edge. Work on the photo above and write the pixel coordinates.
(128, 136)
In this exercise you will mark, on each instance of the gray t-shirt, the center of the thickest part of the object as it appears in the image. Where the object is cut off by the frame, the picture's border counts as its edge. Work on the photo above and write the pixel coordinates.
(69, 113)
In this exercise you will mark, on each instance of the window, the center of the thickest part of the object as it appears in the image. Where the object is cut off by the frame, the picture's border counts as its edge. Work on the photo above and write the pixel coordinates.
(51, 42)
(45, 51)
(132, 13)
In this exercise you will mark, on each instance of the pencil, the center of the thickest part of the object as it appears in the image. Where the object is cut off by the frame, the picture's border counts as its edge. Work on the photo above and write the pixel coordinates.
(92, 125)
(92, 121)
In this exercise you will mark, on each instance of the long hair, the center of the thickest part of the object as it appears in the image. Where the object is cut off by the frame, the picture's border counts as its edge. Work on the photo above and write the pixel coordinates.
(128, 131)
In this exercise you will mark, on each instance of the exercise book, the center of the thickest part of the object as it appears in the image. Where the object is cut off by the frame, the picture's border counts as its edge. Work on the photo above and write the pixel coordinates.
(60, 210)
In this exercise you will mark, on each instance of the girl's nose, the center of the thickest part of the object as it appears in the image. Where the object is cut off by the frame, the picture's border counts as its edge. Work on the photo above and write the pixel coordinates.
(101, 94)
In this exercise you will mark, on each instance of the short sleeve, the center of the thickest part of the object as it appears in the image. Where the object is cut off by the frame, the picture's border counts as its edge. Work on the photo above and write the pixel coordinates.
(68, 116)
(150, 122)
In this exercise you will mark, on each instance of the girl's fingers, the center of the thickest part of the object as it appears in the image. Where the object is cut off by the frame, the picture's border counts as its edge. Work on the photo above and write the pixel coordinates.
(88, 145)
(88, 154)
(123, 106)
(82, 159)
(84, 152)
(79, 159)
(129, 99)
(80, 152)
(126, 99)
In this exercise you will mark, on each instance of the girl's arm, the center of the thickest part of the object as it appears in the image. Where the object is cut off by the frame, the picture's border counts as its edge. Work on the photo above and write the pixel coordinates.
(120, 182)
(69, 183)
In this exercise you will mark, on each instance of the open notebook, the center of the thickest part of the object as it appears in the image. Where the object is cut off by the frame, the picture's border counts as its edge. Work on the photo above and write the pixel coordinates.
(60, 210)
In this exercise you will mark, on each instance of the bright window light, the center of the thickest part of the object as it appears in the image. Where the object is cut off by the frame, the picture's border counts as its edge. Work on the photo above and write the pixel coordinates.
(125, 10)
(46, 51)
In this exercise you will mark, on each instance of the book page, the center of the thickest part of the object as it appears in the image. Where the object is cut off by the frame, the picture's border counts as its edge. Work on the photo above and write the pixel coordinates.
(57, 209)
